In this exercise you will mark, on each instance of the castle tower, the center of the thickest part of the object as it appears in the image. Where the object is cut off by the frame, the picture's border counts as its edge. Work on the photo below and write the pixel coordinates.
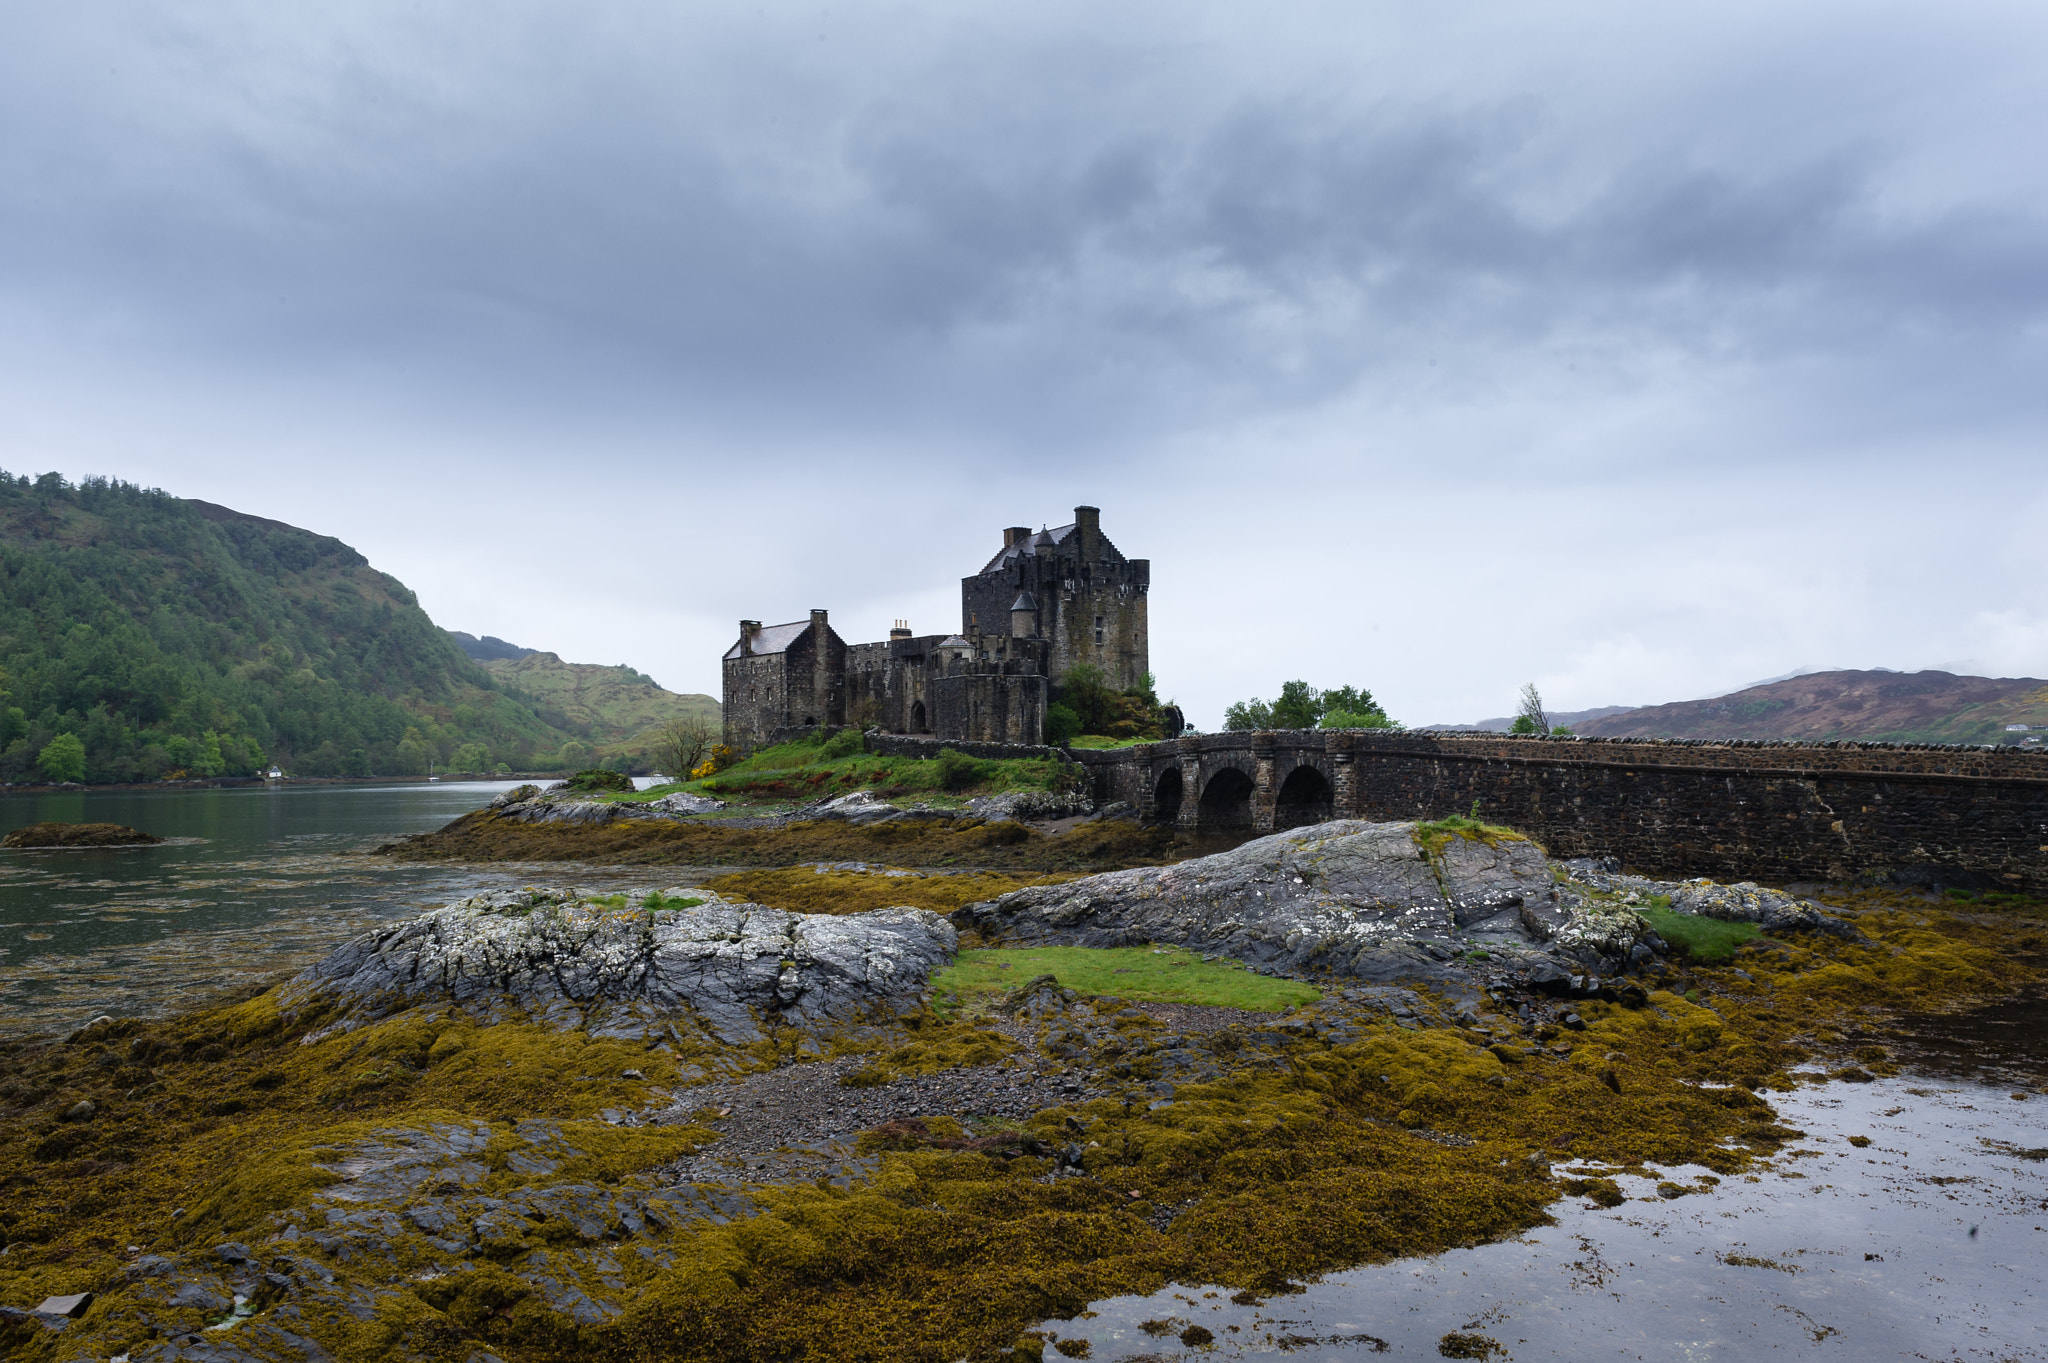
(1087, 600)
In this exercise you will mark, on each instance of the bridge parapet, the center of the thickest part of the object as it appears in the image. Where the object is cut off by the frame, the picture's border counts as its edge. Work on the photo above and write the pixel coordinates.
(1775, 811)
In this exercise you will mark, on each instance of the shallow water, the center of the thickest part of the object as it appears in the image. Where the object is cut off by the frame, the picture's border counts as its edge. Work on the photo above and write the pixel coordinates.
(1931, 1243)
(254, 880)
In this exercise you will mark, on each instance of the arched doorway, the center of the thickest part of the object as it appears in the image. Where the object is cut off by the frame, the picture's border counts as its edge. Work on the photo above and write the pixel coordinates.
(1227, 800)
(1166, 796)
(917, 724)
(1305, 798)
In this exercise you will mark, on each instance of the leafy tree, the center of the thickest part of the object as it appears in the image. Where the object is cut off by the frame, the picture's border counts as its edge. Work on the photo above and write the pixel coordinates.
(412, 756)
(63, 758)
(573, 755)
(1245, 715)
(680, 745)
(1530, 719)
(1301, 706)
(1062, 724)
(1085, 691)
(469, 757)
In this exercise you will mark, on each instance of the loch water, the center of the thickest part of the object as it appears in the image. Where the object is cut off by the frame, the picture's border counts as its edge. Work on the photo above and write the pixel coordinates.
(250, 882)
(1929, 1242)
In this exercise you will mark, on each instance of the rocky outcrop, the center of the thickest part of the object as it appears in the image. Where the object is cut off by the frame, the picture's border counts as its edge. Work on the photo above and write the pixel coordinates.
(551, 955)
(78, 835)
(530, 804)
(1745, 902)
(1356, 898)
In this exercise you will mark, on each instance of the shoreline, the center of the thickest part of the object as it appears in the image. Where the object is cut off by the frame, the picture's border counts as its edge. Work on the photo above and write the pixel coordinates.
(424, 1175)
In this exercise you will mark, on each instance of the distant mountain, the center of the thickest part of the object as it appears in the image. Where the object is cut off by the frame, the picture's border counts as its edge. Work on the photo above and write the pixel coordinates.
(1898, 707)
(616, 709)
(168, 635)
(1571, 718)
(488, 649)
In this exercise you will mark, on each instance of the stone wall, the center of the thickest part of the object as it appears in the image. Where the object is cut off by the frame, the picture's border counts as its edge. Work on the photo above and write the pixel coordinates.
(1772, 811)
(924, 748)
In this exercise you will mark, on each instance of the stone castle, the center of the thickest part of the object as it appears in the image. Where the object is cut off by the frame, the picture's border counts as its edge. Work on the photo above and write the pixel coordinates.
(1044, 603)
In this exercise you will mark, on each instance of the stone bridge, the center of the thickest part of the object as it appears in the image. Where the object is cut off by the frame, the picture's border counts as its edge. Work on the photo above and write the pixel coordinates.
(1970, 817)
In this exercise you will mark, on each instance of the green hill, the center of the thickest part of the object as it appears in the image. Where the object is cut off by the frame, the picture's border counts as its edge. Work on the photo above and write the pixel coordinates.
(169, 635)
(617, 710)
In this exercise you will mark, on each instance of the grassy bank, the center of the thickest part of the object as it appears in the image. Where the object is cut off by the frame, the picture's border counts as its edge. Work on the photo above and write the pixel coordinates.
(810, 769)
(1141, 974)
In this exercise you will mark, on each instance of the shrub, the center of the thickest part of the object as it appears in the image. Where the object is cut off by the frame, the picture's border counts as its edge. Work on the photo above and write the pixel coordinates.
(956, 769)
(845, 743)
(598, 778)
(1062, 724)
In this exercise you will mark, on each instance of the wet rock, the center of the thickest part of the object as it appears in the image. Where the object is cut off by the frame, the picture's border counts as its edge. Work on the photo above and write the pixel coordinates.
(81, 1111)
(860, 808)
(1357, 898)
(70, 1308)
(727, 965)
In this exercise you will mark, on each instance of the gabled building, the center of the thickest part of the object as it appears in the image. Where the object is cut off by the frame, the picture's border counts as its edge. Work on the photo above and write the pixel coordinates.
(1043, 604)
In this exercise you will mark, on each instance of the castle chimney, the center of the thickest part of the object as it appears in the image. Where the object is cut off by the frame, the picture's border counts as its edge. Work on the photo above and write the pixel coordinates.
(901, 630)
(818, 624)
(749, 631)
(1088, 525)
(1015, 535)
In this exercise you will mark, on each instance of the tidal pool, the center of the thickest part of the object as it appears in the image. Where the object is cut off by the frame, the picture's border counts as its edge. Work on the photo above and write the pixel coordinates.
(1931, 1242)
(252, 881)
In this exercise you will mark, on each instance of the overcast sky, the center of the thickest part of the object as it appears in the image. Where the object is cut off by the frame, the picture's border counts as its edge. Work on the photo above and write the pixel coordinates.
(1642, 351)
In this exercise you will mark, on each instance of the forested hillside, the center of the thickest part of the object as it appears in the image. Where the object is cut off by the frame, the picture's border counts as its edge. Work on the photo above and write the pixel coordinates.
(168, 635)
(617, 710)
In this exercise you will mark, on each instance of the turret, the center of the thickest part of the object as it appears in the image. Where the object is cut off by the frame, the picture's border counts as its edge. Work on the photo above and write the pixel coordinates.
(1024, 616)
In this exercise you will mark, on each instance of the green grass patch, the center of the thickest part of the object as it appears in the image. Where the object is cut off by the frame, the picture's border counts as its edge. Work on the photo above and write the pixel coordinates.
(803, 771)
(1433, 836)
(1707, 940)
(1141, 974)
(1104, 741)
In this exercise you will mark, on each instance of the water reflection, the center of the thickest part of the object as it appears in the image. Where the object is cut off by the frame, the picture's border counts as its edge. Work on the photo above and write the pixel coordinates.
(251, 881)
(1927, 1244)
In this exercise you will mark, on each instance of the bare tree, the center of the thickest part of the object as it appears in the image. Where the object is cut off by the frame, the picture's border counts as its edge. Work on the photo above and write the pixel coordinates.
(681, 744)
(1530, 719)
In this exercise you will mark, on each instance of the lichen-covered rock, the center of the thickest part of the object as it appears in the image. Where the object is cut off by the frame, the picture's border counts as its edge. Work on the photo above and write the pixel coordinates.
(1031, 804)
(556, 957)
(1747, 902)
(1357, 898)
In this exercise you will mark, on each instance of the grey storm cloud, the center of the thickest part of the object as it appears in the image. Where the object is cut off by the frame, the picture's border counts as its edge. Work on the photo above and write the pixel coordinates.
(1698, 340)
(1050, 230)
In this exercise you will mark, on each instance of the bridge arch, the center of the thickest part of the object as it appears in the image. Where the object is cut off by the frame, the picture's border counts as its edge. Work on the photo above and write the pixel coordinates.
(1227, 799)
(1305, 797)
(1167, 793)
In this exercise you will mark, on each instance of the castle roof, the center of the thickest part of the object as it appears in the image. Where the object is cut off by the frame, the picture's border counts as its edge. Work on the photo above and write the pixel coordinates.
(1044, 539)
(955, 641)
(1025, 602)
(772, 639)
